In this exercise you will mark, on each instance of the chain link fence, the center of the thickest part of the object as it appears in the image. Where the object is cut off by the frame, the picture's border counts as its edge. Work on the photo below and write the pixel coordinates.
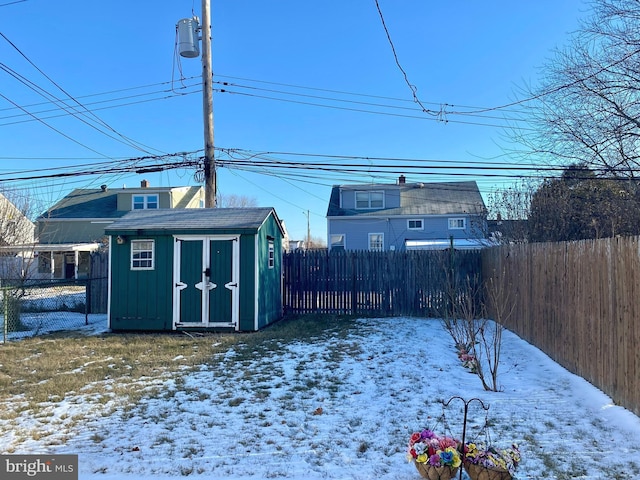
(28, 308)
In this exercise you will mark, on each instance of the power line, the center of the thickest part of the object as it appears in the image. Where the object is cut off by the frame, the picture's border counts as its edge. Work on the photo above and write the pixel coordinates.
(55, 129)
(226, 85)
(412, 87)
(126, 140)
(356, 94)
(147, 164)
(11, 3)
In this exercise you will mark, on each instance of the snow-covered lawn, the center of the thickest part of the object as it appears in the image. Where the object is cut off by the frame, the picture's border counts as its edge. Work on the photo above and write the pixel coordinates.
(338, 407)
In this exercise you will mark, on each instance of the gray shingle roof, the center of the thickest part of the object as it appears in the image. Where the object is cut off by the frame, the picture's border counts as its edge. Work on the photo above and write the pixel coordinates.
(192, 219)
(86, 203)
(442, 198)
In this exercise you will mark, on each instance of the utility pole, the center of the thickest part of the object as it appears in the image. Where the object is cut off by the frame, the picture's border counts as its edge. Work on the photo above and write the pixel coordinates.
(308, 244)
(207, 109)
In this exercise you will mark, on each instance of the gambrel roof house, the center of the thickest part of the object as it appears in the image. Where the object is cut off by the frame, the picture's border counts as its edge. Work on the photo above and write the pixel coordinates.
(406, 216)
(82, 215)
(79, 219)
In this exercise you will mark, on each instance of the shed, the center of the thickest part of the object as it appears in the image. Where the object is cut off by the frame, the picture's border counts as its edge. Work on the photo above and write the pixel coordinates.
(195, 269)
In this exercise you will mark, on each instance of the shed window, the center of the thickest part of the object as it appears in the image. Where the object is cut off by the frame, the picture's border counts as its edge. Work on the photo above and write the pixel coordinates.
(457, 223)
(376, 242)
(142, 202)
(369, 199)
(415, 224)
(272, 254)
(142, 254)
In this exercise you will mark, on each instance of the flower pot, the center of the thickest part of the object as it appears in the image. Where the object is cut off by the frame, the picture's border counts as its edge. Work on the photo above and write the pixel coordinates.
(436, 473)
(479, 472)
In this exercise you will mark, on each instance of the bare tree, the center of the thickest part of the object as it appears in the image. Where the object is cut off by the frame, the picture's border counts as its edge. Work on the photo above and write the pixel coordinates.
(587, 109)
(509, 210)
(315, 243)
(478, 338)
(16, 236)
(17, 255)
(235, 201)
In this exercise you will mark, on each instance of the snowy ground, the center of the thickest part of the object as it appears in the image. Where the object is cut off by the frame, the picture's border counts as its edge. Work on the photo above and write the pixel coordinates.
(340, 408)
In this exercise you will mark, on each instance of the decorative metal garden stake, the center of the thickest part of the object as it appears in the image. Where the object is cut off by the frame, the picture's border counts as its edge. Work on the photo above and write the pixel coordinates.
(464, 420)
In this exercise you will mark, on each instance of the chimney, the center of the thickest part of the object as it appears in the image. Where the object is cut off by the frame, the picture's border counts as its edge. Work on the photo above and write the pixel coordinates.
(144, 184)
(402, 180)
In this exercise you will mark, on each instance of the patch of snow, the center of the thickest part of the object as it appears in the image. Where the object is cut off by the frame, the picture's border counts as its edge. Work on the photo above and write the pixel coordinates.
(339, 408)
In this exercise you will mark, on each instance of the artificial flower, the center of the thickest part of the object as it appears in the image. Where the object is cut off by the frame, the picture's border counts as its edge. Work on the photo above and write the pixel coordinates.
(428, 447)
(490, 457)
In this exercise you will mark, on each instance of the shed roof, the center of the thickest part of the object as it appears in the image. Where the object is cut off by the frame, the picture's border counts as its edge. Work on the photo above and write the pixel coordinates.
(442, 198)
(193, 219)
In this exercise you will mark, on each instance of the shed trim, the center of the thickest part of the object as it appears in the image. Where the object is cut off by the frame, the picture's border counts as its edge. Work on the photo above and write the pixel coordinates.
(256, 273)
(109, 286)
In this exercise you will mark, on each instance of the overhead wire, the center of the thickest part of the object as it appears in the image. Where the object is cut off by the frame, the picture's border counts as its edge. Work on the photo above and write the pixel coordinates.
(55, 129)
(85, 110)
(226, 85)
(412, 87)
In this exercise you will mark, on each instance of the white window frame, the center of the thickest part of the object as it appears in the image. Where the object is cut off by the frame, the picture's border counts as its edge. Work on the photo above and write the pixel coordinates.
(338, 244)
(272, 254)
(137, 260)
(369, 201)
(416, 220)
(147, 199)
(457, 223)
(376, 247)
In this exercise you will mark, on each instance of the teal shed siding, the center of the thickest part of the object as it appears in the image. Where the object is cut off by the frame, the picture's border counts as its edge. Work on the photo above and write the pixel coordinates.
(144, 299)
(269, 288)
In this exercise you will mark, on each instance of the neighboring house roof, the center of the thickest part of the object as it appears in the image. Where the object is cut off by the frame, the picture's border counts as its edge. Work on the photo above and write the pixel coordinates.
(200, 219)
(443, 198)
(86, 203)
(103, 203)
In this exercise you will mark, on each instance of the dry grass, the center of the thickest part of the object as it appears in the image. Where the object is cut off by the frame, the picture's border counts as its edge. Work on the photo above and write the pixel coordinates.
(45, 370)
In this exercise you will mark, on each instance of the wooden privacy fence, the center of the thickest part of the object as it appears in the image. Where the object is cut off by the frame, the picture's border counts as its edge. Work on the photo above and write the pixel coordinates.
(578, 302)
(374, 283)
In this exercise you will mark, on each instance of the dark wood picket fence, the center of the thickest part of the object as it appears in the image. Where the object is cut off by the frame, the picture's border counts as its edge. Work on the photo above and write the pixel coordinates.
(375, 283)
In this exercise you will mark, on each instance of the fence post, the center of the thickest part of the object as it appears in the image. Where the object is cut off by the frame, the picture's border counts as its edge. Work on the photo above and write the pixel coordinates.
(87, 299)
(354, 302)
(5, 327)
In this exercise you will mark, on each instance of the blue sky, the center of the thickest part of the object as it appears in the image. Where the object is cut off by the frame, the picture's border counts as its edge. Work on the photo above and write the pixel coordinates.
(282, 59)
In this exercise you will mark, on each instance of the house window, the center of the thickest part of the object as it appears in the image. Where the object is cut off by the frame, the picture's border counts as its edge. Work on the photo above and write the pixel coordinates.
(376, 242)
(457, 223)
(369, 199)
(142, 254)
(272, 254)
(415, 224)
(141, 202)
(337, 241)
(44, 262)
